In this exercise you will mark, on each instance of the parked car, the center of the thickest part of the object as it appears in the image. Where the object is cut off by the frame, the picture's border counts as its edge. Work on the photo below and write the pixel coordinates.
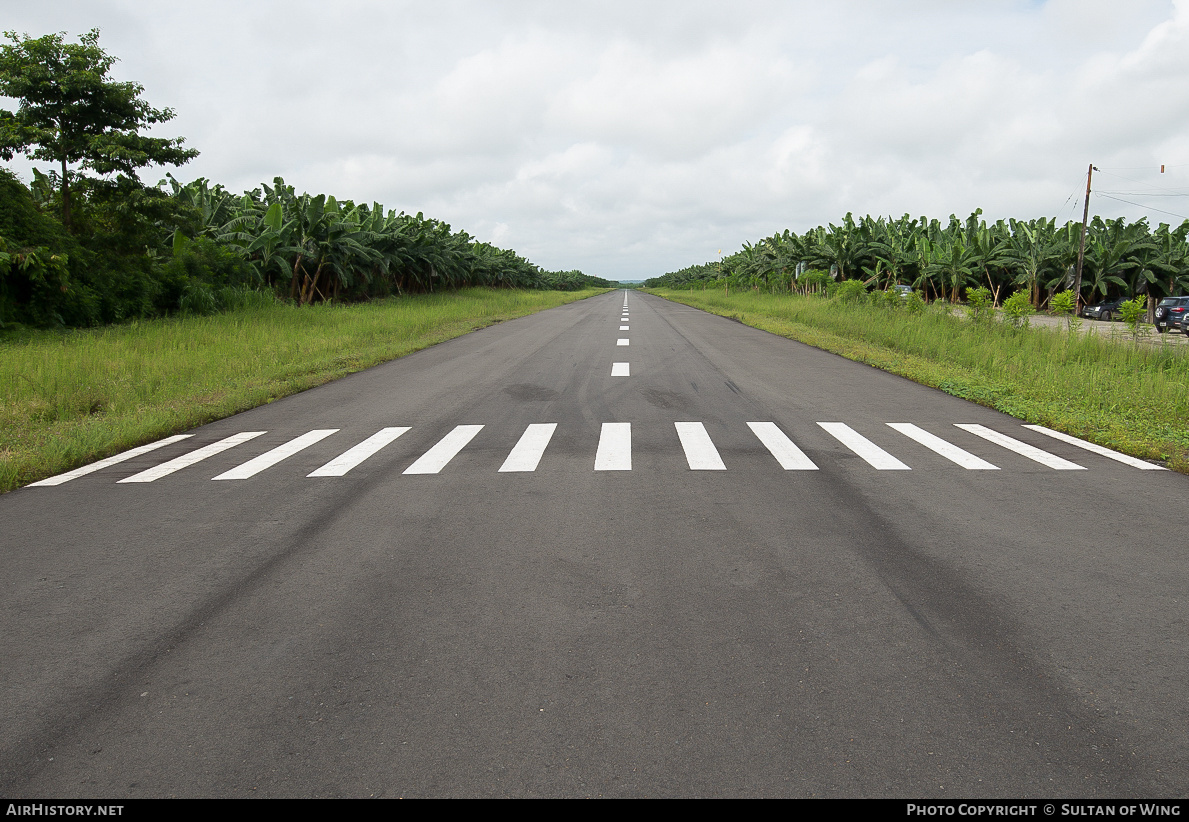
(1170, 313)
(905, 291)
(1105, 311)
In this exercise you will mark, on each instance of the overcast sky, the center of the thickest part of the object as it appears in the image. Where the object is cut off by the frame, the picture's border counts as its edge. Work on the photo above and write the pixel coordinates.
(628, 139)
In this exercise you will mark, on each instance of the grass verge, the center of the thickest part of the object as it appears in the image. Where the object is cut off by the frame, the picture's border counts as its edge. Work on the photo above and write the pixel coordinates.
(1131, 398)
(69, 398)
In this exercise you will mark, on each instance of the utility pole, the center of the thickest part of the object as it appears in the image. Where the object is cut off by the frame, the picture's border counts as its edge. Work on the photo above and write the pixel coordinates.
(1077, 288)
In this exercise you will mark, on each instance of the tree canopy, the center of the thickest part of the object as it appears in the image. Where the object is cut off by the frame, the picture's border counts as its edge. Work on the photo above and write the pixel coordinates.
(73, 114)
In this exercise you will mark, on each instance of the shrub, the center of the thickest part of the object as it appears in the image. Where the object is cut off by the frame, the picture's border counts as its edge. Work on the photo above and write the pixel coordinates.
(1017, 309)
(889, 299)
(814, 282)
(980, 304)
(1063, 304)
(851, 291)
(197, 298)
(1133, 312)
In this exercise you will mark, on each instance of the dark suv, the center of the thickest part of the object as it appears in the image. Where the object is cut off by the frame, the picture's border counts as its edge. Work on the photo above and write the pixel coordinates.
(1170, 313)
(1103, 311)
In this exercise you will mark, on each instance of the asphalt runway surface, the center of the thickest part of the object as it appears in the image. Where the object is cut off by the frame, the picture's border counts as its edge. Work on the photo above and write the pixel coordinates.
(618, 548)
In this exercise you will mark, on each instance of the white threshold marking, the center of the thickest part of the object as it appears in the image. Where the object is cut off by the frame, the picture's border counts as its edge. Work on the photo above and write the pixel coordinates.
(615, 447)
(436, 458)
(948, 450)
(620, 369)
(196, 456)
(790, 457)
(103, 463)
(527, 452)
(624, 328)
(621, 341)
(875, 456)
(270, 458)
(347, 460)
(700, 452)
(1022, 448)
(1097, 449)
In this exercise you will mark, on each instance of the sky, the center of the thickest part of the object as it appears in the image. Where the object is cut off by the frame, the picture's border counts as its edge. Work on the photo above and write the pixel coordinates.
(630, 139)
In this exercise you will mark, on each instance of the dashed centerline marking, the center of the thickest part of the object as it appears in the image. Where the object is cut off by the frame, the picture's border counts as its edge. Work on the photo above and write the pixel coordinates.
(104, 463)
(700, 452)
(343, 463)
(529, 449)
(615, 447)
(875, 456)
(951, 452)
(270, 458)
(1022, 448)
(436, 458)
(196, 456)
(620, 369)
(1097, 449)
(790, 457)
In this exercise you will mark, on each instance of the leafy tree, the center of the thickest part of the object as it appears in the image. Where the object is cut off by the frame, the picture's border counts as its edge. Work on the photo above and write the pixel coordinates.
(73, 114)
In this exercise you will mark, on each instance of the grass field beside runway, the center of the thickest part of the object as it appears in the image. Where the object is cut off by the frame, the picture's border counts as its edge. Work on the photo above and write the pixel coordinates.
(1132, 398)
(67, 398)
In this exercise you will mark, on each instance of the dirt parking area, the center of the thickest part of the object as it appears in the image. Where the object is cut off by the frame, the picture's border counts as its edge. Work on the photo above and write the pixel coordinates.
(1113, 330)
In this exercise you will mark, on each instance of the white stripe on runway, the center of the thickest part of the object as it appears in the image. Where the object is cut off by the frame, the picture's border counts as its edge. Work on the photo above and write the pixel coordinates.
(527, 452)
(790, 457)
(347, 460)
(615, 447)
(624, 328)
(875, 456)
(620, 369)
(621, 341)
(103, 463)
(948, 450)
(700, 452)
(1097, 449)
(270, 458)
(198, 455)
(1022, 448)
(436, 458)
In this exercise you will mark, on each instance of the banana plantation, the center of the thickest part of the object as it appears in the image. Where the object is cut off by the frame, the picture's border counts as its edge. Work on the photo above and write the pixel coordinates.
(942, 261)
(141, 251)
(313, 248)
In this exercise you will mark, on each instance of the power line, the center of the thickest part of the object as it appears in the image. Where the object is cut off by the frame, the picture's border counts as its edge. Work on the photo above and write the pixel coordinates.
(1146, 193)
(1140, 205)
(1128, 179)
(1138, 168)
(1061, 210)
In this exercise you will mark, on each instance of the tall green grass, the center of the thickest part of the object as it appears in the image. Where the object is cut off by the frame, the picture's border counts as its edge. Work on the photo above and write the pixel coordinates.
(1134, 398)
(67, 398)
